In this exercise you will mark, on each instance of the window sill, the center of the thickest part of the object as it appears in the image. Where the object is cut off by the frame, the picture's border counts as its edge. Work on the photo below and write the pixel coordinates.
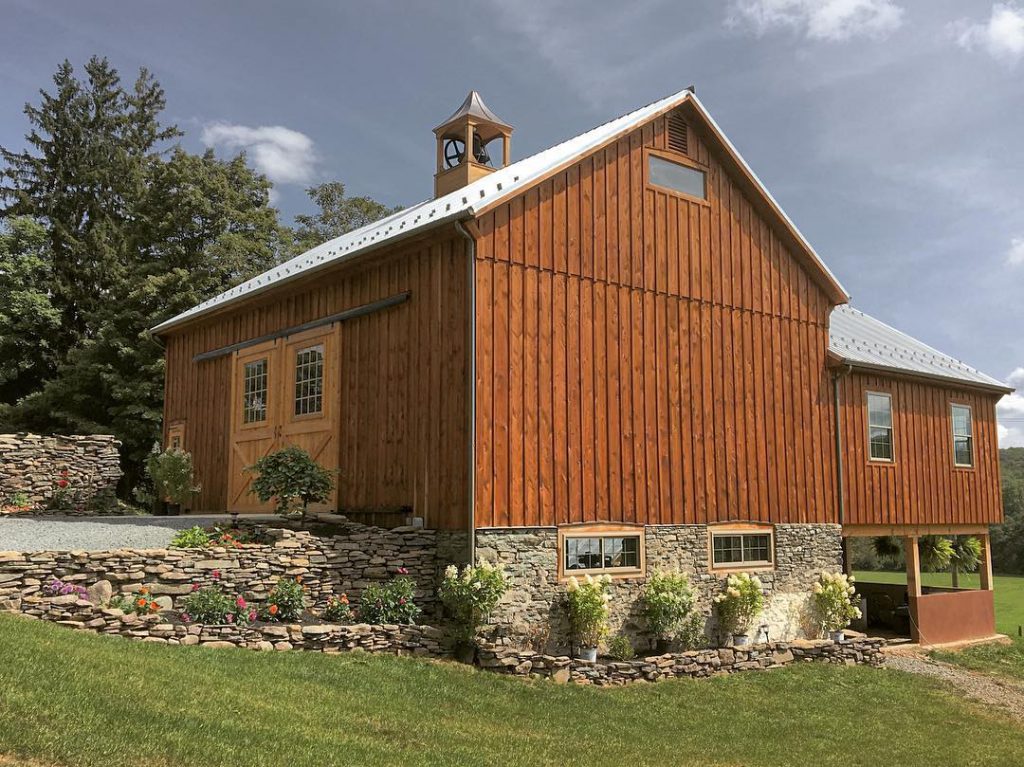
(615, 575)
(733, 569)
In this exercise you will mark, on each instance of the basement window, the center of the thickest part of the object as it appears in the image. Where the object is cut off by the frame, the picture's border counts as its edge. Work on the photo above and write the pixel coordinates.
(741, 548)
(963, 436)
(595, 551)
(676, 177)
(880, 426)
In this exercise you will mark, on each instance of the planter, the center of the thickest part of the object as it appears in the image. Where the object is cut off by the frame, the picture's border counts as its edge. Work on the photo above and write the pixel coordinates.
(837, 636)
(160, 510)
(587, 653)
(662, 646)
(740, 640)
(173, 509)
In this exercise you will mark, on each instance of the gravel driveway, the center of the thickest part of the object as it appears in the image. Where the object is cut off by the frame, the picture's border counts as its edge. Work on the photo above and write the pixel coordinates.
(95, 533)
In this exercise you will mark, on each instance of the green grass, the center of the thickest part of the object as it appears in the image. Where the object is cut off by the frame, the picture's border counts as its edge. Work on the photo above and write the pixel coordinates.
(1009, 593)
(1004, 660)
(73, 698)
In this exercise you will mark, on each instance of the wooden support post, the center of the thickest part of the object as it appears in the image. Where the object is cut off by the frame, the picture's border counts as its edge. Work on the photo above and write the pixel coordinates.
(985, 566)
(847, 559)
(913, 557)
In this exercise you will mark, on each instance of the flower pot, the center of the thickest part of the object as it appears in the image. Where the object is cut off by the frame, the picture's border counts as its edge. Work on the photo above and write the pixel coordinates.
(173, 509)
(740, 640)
(160, 510)
(587, 654)
(464, 652)
(837, 636)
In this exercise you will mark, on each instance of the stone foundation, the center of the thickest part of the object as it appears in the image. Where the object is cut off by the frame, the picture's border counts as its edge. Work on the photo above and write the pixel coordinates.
(533, 611)
(345, 562)
(35, 466)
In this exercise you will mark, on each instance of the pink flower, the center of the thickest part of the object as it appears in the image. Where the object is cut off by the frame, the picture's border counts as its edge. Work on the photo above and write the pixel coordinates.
(401, 601)
(230, 617)
(240, 603)
(195, 587)
(215, 573)
(402, 571)
(185, 617)
(252, 615)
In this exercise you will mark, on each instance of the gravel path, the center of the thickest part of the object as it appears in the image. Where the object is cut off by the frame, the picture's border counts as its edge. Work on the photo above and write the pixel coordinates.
(994, 691)
(95, 533)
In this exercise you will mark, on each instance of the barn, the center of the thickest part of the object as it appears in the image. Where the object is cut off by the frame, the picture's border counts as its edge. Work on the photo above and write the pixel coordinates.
(614, 356)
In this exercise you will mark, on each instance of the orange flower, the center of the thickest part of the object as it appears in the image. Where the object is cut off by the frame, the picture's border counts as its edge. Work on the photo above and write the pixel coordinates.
(144, 590)
(141, 603)
(272, 610)
(154, 606)
(299, 579)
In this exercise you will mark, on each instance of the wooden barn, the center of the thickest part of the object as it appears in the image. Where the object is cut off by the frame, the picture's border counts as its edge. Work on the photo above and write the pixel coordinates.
(616, 355)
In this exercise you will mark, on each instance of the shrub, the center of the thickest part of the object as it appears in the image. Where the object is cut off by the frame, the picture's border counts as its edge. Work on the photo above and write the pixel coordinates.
(338, 609)
(739, 603)
(211, 605)
(59, 588)
(667, 601)
(588, 608)
(18, 501)
(285, 601)
(471, 595)
(390, 602)
(691, 635)
(289, 476)
(173, 476)
(138, 604)
(193, 538)
(620, 648)
(833, 594)
(231, 539)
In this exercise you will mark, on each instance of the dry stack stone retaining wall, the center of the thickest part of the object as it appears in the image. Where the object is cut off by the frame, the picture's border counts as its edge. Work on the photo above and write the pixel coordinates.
(344, 562)
(32, 465)
(533, 611)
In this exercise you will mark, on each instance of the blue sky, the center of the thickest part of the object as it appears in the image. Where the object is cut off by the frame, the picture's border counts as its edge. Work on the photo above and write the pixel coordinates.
(889, 130)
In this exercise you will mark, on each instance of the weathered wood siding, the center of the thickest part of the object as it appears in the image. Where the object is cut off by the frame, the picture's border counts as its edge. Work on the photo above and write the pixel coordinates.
(403, 414)
(644, 357)
(921, 485)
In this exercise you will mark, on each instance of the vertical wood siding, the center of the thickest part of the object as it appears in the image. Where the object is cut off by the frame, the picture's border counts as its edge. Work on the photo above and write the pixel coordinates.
(403, 410)
(643, 357)
(921, 484)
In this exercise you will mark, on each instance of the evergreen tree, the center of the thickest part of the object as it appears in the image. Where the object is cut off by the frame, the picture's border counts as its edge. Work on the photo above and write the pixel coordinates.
(338, 215)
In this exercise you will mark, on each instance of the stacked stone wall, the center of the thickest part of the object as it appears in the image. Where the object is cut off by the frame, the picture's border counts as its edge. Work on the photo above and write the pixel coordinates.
(79, 473)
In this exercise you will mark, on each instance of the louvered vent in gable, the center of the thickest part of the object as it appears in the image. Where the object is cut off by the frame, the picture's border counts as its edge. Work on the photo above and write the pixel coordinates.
(677, 133)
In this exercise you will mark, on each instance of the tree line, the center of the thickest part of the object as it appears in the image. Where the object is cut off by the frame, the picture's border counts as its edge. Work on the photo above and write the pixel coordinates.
(108, 226)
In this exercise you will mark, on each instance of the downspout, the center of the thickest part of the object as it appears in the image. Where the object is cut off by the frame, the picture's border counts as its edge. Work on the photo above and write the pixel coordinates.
(471, 385)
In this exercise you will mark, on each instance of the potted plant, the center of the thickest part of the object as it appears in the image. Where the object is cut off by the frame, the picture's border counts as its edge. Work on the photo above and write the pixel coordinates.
(469, 597)
(588, 613)
(738, 605)
(290, 477)
(666, 603)
(173, 479)
(833, 596)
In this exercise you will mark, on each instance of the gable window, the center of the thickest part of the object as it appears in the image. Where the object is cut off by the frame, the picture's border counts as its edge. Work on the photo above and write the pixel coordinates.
(880, 426)
(254, 391)
(963, 437)
(595, 551)
(676, 177)
(741, 548)
(309, 380)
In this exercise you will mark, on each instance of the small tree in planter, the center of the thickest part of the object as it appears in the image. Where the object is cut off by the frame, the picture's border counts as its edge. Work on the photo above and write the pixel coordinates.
(173, 478)
(738, 605)
(290, 477)
(666, 603)
(588, 613)
(469, 597)
(833, 596)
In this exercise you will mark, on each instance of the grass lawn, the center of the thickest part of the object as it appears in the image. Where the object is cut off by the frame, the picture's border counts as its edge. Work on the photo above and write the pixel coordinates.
(1009, 593)
(73, 698)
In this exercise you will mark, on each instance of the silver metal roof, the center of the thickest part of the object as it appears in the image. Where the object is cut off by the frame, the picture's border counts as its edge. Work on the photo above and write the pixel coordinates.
(465, 203)
(864, 341)
(474, 106)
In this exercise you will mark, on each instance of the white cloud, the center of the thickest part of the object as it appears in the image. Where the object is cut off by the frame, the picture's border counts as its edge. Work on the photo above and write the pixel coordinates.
(1015, 255)
(1010, 412)
(286, 156)
(834, 20)
(1002, 36)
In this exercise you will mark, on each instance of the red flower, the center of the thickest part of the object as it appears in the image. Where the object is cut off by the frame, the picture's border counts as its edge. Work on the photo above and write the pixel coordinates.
(401, 601)
(402, 571)
(240, 603)
(62, 483)
(215, 573)
(195, 587)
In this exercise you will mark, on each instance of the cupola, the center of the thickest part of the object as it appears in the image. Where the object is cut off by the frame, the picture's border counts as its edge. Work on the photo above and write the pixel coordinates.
(475, 126)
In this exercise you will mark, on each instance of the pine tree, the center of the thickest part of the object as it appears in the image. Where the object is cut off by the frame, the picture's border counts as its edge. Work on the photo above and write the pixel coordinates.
(338, 215)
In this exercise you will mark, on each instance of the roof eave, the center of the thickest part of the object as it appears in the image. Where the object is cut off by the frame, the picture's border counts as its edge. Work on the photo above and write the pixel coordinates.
(180, 321)
(950, 381)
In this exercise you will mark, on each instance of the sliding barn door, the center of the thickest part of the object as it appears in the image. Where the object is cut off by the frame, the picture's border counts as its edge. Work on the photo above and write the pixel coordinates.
(284, 392)
(309, 417)
(255, 404)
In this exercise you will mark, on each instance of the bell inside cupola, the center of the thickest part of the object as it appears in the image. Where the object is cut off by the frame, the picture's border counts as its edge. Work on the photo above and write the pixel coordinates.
(475, 126)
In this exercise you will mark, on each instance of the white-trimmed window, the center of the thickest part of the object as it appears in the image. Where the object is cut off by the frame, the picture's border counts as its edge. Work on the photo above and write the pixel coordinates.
(742, 548)
(963, 435)
(601, 551)
(880, 426)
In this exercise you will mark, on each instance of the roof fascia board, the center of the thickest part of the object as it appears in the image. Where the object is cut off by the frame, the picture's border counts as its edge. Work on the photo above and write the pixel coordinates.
(947, 381)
